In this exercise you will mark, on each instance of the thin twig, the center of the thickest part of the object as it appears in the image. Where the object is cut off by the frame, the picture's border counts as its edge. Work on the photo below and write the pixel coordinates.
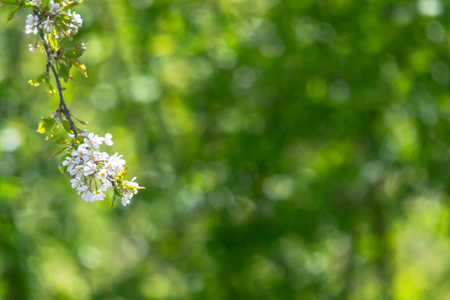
(62, 103)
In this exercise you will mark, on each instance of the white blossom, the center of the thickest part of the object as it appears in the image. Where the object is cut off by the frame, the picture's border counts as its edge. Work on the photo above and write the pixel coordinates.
(101, 156)
(72, 30)
(32, 24)
(98, 195)
(77, 171)
(103, 175)
(82, 152)
(93, 140)
(94, 172)
(126, 199)
(33, 47)
(47, 25)
(70, 163)
(108, 139)
(76, 19)
(54, 8)
(89, 168)
(87, 195)
(76, 183)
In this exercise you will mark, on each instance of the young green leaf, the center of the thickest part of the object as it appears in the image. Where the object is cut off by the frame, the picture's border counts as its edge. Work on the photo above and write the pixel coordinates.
(67, 126)
(45, 125)
(64, 71)
(119, 194)
(53, 41)
(11, 14)
(113, 200)
(53, 132)
(71, 4)
(49, 88)
(73, 53)
(132, 187)
(121, 175)
(38, 80)
(81, 67)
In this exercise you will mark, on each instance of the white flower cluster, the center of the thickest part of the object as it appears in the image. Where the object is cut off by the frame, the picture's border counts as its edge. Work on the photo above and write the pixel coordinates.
(93, 171)
(66, 22)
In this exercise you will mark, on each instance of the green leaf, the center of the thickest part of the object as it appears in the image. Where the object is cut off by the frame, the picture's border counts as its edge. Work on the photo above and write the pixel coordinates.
(52, 41)
(38, 80)
(79, 139)
(73, 53)
(113, 200)
(61, 140)
(67, 126)
(58, 151)
(119, 194)
(49, 88)
(11, 14)
(53, 132)
(121, 175)
(71, 4)
(9, 3)
(64, 71)
(81, 67)
(128, 186)
(45, 125)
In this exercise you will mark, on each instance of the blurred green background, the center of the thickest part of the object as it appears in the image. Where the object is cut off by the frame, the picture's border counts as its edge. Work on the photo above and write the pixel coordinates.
(291, 149)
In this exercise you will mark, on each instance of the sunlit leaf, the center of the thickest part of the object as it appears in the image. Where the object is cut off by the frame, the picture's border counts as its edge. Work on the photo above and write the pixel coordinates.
(45, 125)
(81, 67)
(52, 41)
(53, 132)
(49, 88)
(79, 139)
(71, 4)
(67, 126)
(38, 80)
(125, 183)
(121, 175)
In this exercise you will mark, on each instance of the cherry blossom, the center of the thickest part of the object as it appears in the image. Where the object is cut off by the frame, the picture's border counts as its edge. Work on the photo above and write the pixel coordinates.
(93, 172)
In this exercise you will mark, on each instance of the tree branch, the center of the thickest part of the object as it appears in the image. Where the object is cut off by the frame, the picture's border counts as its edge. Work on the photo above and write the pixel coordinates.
(62, 103)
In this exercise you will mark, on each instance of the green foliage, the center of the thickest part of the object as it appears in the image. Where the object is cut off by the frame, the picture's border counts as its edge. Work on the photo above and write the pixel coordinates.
(12, 13)
(38, 80)
(81, 67)
(45, 125)
(58, 151)
(290, 150)
(73, 53)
